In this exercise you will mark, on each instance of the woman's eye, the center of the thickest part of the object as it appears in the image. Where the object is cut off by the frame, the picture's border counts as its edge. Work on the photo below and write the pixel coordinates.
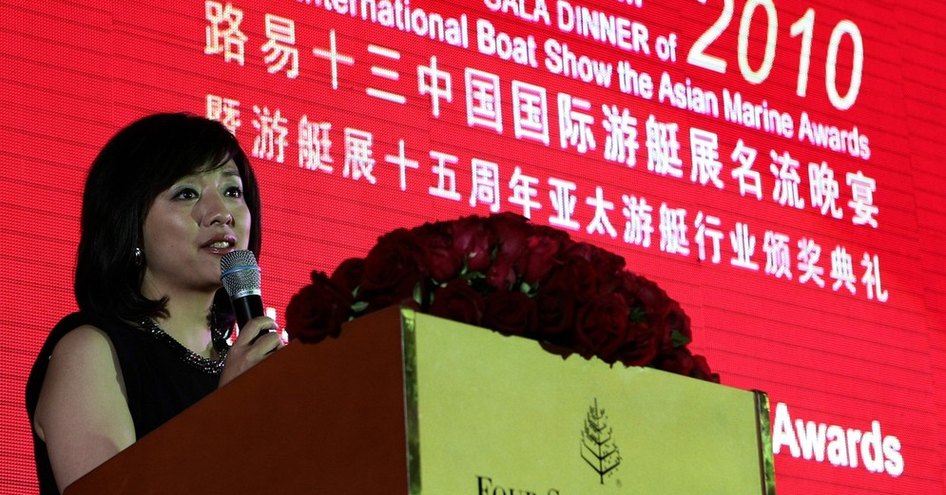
(234, 192)
(186, 193)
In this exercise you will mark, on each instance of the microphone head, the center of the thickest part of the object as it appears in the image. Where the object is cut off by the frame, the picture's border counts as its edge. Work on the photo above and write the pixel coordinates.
(240, 274)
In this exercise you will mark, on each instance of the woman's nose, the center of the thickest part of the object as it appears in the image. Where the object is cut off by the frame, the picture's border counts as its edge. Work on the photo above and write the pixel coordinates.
(214, 210)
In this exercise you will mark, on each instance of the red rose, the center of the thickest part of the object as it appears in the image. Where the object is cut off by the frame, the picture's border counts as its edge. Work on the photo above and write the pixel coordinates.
(701, 370)
(679, 361)
(544, 247)
(608, 266)
(575, 275)
(674, 324)
(639, 347)
(348, 274)
(441, 260)
(682, 362)
(318, 310)
(667, 321)
(556, 316)
(459, 302)
(580, 298)
(380, 300)
(607, 261)
(558, 350)
(393, 265)
(510, 313)
(601, 327)
(642, 291)
(473, 241)
(501, 275)
(511, 232)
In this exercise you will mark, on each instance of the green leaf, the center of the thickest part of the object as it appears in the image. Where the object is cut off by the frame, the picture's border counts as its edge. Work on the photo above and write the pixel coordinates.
(638, 315)
(469, 276)
(417, 294)
(679, 339)
(359, 306)
(529, 290)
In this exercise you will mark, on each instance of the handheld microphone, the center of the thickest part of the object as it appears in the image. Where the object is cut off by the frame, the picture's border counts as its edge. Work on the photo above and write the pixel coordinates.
(241, 279)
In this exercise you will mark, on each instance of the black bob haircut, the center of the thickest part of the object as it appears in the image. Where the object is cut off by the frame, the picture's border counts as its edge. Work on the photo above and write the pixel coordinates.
(136, 164)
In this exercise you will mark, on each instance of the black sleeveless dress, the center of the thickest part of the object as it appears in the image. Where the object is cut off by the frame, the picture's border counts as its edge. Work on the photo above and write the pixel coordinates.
(159, 381)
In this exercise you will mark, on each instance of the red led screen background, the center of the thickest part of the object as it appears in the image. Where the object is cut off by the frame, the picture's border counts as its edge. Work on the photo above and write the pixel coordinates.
(774, 165)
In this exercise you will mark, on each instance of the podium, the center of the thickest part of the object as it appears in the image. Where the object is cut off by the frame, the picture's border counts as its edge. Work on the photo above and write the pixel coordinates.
(407, 403)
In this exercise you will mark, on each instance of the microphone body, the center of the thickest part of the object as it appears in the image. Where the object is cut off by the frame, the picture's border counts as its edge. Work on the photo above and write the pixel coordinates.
(240, 275)
(246, 308)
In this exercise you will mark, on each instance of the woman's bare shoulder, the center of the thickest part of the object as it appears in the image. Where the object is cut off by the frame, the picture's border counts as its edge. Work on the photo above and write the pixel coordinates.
(83, 341)
(83, 369)
(82, 413)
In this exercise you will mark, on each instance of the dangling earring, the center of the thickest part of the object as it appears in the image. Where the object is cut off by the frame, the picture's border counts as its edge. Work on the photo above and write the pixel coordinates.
(139, 257)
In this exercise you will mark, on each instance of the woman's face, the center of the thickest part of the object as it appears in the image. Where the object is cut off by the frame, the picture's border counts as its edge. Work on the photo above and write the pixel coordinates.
(189, 227)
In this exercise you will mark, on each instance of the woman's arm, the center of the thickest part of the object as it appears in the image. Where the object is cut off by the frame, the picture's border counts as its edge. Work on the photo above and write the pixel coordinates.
(82, 413)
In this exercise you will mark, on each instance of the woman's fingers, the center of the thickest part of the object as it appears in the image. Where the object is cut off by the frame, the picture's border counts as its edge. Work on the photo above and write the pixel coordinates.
(256, 340)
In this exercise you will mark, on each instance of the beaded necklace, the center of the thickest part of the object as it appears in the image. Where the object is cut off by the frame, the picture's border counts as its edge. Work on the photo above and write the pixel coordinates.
(206, 365)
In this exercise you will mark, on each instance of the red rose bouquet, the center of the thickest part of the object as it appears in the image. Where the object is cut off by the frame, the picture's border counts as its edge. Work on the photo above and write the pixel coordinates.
(506, 274)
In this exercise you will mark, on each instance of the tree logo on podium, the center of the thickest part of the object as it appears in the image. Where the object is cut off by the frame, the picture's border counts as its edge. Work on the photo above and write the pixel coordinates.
(597, 443)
